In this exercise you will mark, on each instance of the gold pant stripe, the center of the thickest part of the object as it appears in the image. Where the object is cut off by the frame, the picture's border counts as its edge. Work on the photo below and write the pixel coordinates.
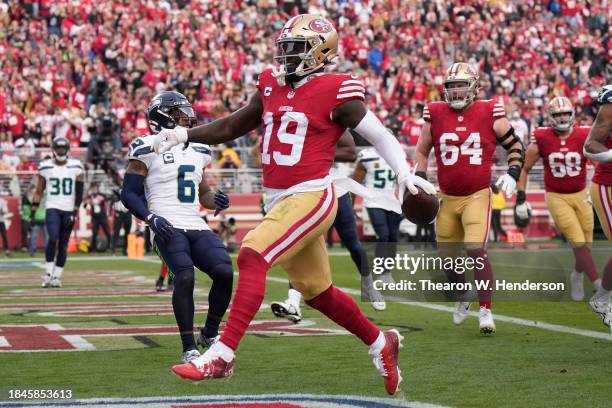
(602, 201)
(302, 227)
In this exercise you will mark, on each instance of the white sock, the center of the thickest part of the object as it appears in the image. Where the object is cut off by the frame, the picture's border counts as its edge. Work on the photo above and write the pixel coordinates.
(226, 353)
(597, 283)
(294, 298)
(57, 272)
(49, 268)
(378, 344)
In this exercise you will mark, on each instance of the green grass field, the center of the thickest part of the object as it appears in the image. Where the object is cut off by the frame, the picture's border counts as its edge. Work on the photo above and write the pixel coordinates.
(108, 308)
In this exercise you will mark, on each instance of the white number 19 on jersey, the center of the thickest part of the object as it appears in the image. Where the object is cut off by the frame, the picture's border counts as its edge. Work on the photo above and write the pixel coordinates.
(296, 139)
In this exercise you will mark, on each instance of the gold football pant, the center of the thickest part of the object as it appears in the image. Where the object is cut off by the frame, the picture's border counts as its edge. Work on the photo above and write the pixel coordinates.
(465, 219)
(602, 201)
(291, 235)
(572, 215)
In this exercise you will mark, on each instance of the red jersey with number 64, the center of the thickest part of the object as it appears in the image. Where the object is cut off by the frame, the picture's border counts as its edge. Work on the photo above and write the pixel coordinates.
(464, 144)
(564, 163)
(299, 142)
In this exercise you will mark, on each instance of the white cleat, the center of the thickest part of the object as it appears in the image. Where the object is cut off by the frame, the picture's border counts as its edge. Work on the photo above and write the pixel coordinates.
(46, 281)
(462, 311)
(190, 355)
(377, 300)
(55, 283)
(485, 317)
(577, 286)
(286, 310)
(602, 306)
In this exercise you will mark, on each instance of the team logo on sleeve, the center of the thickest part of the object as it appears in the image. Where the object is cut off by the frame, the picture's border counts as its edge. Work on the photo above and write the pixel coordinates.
(320, 26)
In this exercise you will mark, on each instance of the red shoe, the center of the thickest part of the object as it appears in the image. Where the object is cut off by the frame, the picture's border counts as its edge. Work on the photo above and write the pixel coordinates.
(214, 368)
(386, 360)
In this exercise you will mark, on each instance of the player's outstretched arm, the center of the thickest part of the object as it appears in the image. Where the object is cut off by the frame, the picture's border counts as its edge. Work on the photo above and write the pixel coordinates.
(346, 152)
(531, 157)
(423, 148)
(355, 115)
(595, 148)
(220, 131)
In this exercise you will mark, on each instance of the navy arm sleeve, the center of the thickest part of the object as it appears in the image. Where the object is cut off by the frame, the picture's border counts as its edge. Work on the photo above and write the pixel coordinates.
(132, 195)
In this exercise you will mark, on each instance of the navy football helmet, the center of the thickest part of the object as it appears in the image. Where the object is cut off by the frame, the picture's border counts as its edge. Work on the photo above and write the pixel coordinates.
(170, 109)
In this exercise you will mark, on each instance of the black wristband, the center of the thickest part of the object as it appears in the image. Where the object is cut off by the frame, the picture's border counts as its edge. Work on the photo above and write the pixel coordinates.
(515, 172)
(521, 197)
(421, 174)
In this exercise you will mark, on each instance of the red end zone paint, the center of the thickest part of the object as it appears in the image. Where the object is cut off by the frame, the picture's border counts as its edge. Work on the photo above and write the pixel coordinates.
(23, 338)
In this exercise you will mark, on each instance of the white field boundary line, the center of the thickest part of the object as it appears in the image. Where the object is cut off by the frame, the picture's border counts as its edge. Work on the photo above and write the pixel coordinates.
(443, 308)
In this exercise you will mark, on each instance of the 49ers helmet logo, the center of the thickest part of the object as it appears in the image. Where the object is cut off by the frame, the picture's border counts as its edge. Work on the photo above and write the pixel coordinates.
(320, 26)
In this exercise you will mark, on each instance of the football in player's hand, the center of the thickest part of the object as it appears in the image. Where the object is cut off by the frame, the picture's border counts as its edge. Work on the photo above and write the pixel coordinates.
(420, 208)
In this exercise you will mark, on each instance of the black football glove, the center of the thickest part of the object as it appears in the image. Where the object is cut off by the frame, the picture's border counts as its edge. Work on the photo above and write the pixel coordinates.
(222, 201)
(522, 210)
(160, 227)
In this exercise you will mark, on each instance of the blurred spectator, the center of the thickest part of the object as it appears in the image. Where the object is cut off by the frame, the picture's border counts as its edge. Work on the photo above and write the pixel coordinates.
(26, 217)
(25, 164)
(122, 219)
(3, 213)
(38, 224)
(59, 60)
(229, 158)
(96, 202)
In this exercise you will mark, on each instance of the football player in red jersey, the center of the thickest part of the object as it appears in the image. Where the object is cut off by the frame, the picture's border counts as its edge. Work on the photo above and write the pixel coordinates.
(599, 148)
(304, 111)
(464, 132)
(560, 146)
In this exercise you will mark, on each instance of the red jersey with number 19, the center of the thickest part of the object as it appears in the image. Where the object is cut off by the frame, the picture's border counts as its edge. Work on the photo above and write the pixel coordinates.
(299, 141)
(564, 163)
(464, 144)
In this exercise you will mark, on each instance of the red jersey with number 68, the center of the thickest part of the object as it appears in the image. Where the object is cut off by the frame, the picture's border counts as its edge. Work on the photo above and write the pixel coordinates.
(464, 144)
(299, 142)
(564, 163)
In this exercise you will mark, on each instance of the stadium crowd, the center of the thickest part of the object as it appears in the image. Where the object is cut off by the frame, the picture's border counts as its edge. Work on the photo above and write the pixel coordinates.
(86, 69)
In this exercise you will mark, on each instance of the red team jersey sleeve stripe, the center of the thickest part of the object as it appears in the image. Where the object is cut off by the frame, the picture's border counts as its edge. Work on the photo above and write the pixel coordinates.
(426, 114)
(499, 110)
(351, 89)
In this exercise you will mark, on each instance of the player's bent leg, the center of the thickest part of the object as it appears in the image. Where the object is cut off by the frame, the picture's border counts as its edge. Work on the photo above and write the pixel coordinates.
(601, 196)
(289, 227)
(177, 256)
(309, 271)
(210, 256)
(347, 229)
(346, 226)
